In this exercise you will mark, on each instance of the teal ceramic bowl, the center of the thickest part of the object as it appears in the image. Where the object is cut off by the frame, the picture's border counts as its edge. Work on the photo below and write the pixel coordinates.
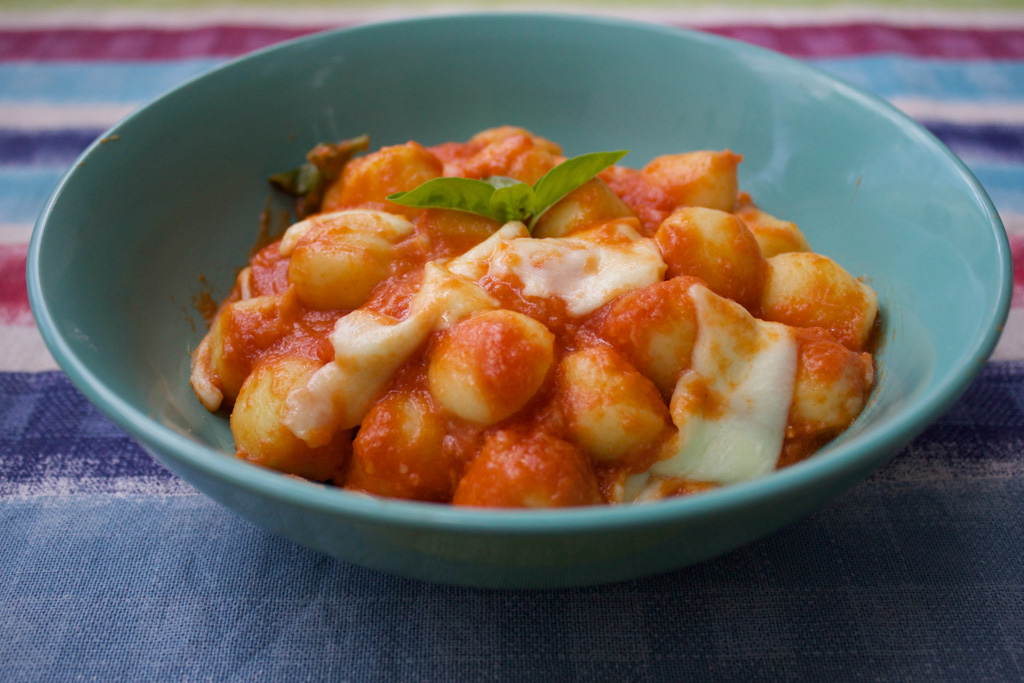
(173, 198)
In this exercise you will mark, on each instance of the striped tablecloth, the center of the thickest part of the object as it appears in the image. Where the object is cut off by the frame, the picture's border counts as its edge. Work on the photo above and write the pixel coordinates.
(111, 568)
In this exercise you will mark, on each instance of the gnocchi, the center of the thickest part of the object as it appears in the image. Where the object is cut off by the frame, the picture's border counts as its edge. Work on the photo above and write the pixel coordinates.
(651, 333)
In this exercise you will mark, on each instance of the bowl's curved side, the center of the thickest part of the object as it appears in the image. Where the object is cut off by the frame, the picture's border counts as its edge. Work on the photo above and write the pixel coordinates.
(501, 551)
(130, 235)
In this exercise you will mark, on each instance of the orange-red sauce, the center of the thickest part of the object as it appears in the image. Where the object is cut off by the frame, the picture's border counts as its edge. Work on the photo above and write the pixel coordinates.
(525, 459)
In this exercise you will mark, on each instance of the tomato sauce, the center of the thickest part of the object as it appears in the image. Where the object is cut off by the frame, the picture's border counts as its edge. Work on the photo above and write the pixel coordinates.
(410, 445)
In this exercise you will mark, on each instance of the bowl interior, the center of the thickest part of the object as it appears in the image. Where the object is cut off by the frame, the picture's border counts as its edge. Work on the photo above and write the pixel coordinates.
(167, 207)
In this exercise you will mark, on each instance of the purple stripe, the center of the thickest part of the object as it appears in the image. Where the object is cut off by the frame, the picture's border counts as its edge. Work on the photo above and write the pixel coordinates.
(837, 40)
(18, 147)
(49, 431)
(982, 142)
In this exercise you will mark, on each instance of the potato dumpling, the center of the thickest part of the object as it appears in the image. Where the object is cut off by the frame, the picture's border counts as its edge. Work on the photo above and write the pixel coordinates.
(703, 178)
(457, 155)
(338, 259)
(519, 155)
(260, 434)
(609, 409)
(449, 233)
(832, 384)
(647, 201)
(804, 289)
(399, 450)
(773, 235)
(654, 328)
(490, 136)
(523, 469)
(242, 331)
(716, 247)
(587, 204)
(368, 180)
(339, 271)
(490, 365)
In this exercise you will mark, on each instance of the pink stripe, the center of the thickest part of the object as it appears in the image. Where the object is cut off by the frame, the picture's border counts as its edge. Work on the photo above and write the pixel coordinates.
(227, 41)
(857, 39)
(14, 309)
(140, 43)
(1017, 252)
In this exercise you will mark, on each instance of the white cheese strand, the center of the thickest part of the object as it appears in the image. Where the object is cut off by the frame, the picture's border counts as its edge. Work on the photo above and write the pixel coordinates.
(473, 264)
(369, 348)
(748, 368)
(387, 226)
(586, 271)
(202, 377)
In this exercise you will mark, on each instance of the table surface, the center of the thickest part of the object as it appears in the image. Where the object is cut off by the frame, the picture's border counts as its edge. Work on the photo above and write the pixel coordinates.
(112, 568)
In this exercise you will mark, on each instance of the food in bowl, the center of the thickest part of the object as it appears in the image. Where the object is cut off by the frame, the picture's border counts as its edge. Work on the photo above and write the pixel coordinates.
(488, 323)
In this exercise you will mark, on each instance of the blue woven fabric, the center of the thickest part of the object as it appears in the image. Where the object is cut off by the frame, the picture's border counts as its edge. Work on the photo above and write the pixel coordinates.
(113, 569)
(915, 574)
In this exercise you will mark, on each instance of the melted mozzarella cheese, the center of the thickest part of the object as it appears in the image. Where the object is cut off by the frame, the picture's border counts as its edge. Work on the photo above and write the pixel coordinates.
(369, 347)
(203, 377)
(386, 226)
(584, 271)
(473, 264)
(732, 405)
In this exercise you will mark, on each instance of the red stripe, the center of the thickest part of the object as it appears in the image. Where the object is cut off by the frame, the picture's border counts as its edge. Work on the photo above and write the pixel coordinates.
(14, 309)
(1017, 252)
(140, 44)
(859, 39)
(838, 40)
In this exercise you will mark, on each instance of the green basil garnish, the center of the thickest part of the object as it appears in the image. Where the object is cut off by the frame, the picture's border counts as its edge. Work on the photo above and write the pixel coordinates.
(567, 176)
(461, 194)
(504, 199)
(324, 163)
(512, 200)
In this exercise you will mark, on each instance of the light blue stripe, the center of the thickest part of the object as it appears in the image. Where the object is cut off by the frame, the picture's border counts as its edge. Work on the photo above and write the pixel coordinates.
(1004, 184)
(888, 76)
(24, 191)
(103, 82)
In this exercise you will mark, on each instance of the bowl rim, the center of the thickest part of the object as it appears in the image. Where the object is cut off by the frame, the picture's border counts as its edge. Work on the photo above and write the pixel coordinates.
(836, 462)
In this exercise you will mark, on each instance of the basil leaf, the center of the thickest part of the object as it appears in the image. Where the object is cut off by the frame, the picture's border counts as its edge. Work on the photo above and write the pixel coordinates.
(461, 194)
(512, 202)
(324, 163)
(507, 199)
(331, 159)
(500, 181)
(567, 176)
(298, 181)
